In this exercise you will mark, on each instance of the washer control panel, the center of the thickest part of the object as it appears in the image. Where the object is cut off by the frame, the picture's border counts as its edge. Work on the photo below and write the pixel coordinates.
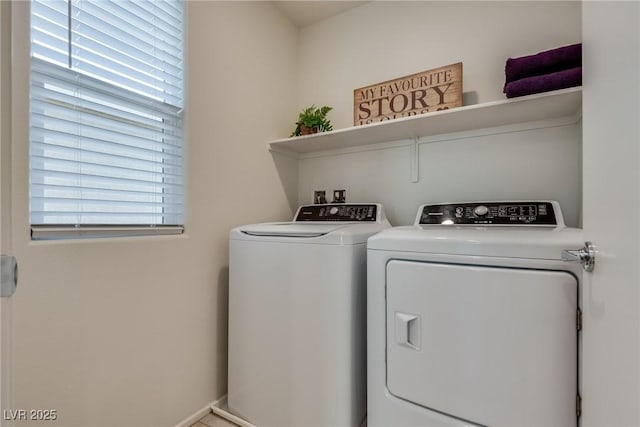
(490, 213)
(337, 212)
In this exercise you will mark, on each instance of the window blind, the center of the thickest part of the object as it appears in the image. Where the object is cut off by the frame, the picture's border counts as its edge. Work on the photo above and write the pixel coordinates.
(106, 113)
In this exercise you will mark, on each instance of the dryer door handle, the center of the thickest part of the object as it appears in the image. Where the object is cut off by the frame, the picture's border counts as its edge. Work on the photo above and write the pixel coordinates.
(585, 256)
(408, 330)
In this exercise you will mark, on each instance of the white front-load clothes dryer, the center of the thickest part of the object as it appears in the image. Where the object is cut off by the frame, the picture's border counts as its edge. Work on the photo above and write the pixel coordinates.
(297, 317)
(472, 318)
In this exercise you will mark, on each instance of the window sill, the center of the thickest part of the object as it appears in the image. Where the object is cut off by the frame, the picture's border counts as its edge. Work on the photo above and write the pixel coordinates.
(69, 232)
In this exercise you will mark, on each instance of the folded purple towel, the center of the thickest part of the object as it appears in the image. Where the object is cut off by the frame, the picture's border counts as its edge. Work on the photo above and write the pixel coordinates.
(545, 83)
(546, 62)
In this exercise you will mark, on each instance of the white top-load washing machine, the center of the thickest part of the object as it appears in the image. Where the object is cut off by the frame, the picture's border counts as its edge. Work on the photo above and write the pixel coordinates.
(473, 318)
(297, 317)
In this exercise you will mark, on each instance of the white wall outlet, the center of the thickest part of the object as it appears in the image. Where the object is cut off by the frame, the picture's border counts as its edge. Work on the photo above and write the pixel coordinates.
(339, 195)
(319, 197)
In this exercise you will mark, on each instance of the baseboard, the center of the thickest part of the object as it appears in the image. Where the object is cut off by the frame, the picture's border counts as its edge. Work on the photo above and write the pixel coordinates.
(196, 416)
(220, 408)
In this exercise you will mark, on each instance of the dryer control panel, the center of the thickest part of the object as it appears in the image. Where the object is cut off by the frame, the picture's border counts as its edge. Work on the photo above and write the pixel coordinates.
(530, 213)
(338, 212)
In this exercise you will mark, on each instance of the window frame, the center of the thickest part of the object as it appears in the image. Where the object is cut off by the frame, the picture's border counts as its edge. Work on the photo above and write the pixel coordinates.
(80, 230)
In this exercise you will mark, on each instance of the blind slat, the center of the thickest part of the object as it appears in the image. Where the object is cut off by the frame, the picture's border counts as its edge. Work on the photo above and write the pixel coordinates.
(89, 204)
(106, 192)
(100, 128)
(166, 21)
(104, 16)
(99, 134)
(90, 146)
(58, 177)
(42, 72)
(85, 46)
(106, 114)
(141, 23)
(116, 74)
(105, 170)
(44, 99)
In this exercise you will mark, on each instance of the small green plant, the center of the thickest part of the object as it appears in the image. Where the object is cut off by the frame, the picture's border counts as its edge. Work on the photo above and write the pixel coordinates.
(312, 120)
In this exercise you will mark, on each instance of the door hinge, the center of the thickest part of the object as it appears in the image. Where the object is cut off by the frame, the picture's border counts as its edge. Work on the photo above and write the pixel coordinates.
(8, 275)
(578, 405)
(579, 320)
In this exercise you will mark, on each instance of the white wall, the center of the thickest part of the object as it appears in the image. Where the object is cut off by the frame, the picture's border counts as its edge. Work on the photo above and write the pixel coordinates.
(611, 297)
(132, 332)
(534, 164)
(5, 180)
(384, 40)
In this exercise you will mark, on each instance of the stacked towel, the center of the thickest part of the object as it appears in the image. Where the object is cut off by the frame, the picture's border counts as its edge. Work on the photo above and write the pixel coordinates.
(545, 71)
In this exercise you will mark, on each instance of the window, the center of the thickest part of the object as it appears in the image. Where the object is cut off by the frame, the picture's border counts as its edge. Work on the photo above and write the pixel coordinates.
(107, 97)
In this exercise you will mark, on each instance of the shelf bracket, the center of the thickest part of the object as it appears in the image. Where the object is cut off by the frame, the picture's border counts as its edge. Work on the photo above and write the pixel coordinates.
(414, 162)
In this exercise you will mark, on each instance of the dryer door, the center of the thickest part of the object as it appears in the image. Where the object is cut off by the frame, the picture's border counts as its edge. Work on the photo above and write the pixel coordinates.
(493, 346)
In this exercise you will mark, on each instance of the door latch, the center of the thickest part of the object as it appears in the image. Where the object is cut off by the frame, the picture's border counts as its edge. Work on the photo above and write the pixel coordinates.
(585, 256)
(8, 275)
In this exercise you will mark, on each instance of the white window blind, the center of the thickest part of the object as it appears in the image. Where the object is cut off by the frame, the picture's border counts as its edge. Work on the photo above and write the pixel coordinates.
(106, 115)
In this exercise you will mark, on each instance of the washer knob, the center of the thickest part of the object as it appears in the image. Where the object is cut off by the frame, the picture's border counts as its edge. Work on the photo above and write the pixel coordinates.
(481, 210)
(333, 210)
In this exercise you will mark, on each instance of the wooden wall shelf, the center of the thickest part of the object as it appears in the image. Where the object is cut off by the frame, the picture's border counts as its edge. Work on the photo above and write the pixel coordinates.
(532, 108)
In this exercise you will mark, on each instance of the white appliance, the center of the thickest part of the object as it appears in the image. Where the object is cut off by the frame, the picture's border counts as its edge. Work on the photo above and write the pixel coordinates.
(297, 317)
(473, 318)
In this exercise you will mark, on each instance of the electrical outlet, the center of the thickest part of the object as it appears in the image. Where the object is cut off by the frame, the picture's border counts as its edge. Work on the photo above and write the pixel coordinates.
(339, 196)
(319, 197)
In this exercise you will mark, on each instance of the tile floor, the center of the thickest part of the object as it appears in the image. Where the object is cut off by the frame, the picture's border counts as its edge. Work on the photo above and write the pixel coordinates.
(212, 420)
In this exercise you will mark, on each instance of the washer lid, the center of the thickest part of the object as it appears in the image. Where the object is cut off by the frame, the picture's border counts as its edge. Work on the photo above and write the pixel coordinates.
(290, 229)
(333, 233)
(329, 224)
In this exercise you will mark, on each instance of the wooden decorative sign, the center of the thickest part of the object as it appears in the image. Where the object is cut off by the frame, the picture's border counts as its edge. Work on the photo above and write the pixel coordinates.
(433, 90)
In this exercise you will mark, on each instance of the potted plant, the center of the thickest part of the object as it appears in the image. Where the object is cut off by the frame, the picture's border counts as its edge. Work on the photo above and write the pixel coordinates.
(313, 120)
